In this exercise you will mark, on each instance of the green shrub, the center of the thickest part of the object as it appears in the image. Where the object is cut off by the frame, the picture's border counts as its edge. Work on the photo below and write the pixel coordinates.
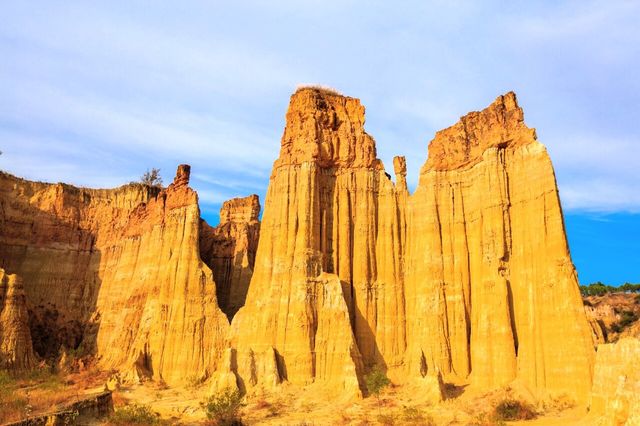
(135, 414)
(512, 409)
(626, 318)
(223, 408)
(376, 380)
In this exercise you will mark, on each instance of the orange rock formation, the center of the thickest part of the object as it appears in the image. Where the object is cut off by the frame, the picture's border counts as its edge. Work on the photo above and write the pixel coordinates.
(490, 287)
(16, 351)
(616, 384)
(229, 250)
(468, 279)
(465, 277)
(119, 270)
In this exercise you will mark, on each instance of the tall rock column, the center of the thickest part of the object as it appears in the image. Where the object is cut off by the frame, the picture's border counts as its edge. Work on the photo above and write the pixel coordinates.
(330, 220)
(491, 290)
(157, 301)
(16, 351)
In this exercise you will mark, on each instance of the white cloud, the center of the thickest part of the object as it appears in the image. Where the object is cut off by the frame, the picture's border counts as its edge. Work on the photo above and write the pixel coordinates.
(94, 94)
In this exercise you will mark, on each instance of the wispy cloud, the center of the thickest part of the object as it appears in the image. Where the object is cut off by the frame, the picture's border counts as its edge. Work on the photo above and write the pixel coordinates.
(95, 94)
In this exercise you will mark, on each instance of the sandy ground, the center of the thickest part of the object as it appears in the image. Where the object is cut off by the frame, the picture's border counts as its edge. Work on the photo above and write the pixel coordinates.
(396, 405)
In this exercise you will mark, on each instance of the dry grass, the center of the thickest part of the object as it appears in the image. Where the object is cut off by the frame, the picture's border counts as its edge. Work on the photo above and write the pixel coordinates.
(42, 390)
(318, 87)
(30, 393)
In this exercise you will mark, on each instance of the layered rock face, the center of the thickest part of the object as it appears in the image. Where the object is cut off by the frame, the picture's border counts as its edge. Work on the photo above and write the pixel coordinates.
(616, 384)
(613, 316)
(118, 270)
(316, 240)
(51, 235)
(229, 250)
(490, 287)
(469, 277)
(158, 299)
(16, 351)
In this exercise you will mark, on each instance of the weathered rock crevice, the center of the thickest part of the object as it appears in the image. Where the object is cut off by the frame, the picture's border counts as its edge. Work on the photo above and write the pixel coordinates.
(229, 249)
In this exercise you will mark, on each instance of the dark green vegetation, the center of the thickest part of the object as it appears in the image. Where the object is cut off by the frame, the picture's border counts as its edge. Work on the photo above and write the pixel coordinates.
(600, 289)
(626, 318)
(223, 408)
(512, 409)
(376, 380)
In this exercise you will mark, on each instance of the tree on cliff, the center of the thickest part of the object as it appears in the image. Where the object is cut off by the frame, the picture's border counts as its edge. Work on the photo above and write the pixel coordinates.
(151, 178)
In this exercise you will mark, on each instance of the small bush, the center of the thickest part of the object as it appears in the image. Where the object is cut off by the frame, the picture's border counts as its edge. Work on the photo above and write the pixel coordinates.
(152, 178)
(376, 380)
(637, 299)
(626, 318)
(223, 408)
(320, 88)
(134, 414)
(512, 409)
(194, 380)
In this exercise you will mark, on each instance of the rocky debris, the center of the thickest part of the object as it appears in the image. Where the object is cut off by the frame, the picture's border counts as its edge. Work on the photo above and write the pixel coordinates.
(16, 350)
(230, 248)
(615, 398)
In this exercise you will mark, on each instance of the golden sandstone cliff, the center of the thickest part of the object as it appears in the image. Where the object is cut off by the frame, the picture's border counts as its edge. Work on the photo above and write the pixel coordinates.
(16, 350)
(229, 250)
(468, 279)
(118, 271)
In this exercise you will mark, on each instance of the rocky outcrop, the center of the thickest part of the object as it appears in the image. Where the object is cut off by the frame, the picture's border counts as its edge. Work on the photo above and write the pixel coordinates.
(468, 280)
(615, 399)
(16, 351)
(464, 278)
(157, 301)
(613, 316)
(52, 236)
(229, 250)
(491, 290)
(120, 267)
(314, 262)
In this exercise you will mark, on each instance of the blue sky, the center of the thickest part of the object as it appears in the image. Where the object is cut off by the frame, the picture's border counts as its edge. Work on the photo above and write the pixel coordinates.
(94, 93)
